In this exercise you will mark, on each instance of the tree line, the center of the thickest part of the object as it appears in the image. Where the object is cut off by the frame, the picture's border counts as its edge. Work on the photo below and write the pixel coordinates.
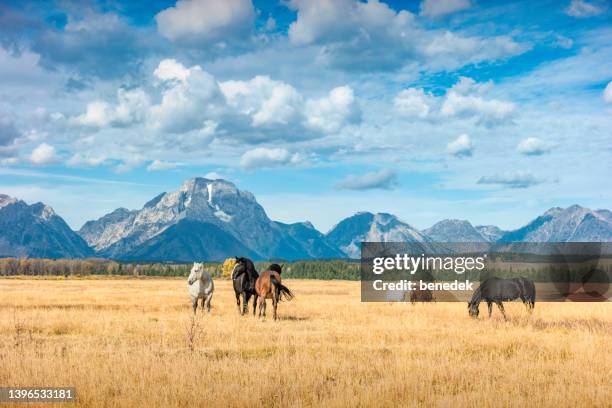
(83, 267)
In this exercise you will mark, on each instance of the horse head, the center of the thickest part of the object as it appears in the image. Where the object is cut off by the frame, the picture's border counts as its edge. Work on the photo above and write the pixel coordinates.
(244, 265)
(473, 309)
(276, 268)
(196, 272)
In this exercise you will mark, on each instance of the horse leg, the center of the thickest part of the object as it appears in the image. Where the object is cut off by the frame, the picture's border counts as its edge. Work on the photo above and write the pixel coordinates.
(194, 304)
(254, 304)
(264, 304)
(245, 302)
(490, 306)
(208, 299)
(274, 304)
(501, 309)
(238, 300)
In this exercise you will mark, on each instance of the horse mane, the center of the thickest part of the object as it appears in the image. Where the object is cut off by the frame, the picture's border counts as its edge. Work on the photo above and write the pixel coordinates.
(250, 267)
(276, 268)
(477, 296)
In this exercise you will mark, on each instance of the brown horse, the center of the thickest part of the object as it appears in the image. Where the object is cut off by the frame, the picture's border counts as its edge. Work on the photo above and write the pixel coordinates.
(269, 286)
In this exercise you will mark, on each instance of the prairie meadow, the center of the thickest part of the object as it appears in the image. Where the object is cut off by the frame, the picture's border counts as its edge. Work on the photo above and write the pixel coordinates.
(135, 342)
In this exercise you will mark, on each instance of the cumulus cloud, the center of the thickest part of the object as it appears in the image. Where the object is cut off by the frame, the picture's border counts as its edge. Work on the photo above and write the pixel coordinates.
(532, 146)
(516, 179)
(607, 93)
(195, 108)
(88, 42)
(358, 35)
(131, 107)
(332, 112)
(438, 8)
(461, 147)
(261, 157)
(583, 8)
(206, 21)
(160, 165)
(382, 179)
(414, 102)
(43, 154)
(191, 97)
(465, 100)
(266, 101)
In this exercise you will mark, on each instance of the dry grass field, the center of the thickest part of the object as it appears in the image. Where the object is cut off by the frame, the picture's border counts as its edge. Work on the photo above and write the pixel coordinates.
(130, 343)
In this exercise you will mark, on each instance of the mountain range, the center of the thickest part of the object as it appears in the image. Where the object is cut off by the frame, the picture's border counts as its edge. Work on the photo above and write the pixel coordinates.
(212, 219)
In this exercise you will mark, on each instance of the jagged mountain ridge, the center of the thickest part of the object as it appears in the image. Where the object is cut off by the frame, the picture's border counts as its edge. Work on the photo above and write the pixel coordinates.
(37, 231)
(348, 234)
(212, 219)
(216, 202)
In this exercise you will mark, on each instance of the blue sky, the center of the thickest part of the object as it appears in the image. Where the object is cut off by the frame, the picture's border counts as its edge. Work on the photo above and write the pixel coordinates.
(480, 110)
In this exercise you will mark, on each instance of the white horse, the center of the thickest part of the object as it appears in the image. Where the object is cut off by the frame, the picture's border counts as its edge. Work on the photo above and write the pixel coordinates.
(200, 286)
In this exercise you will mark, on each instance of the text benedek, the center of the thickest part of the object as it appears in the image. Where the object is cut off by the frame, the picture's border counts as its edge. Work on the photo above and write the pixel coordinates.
(407, 285)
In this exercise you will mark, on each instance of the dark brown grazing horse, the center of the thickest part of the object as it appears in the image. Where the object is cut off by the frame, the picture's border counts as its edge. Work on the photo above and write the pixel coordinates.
(269, 286)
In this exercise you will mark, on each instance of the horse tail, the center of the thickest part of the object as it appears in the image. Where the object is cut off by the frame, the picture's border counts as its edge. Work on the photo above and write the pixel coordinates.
(281, 290)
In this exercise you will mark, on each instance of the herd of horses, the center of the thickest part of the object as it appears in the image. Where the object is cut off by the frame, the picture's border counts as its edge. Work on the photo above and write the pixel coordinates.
(248, 283)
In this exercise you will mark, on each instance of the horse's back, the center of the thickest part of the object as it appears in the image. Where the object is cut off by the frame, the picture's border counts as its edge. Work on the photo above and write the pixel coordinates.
(497, 289)
(202, 287)
(264, 282)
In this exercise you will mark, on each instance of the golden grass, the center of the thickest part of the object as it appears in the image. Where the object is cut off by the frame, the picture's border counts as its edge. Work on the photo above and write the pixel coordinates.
(131, 343)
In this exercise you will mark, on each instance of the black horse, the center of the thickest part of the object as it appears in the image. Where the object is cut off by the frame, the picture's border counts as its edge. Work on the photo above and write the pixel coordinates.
(496, 290)
(244, 277)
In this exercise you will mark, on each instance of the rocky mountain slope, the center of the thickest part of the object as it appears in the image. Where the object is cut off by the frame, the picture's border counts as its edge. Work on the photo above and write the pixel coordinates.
(218, 203)
(348, 234)
(571, 224)
(36, 231)
(454, 231)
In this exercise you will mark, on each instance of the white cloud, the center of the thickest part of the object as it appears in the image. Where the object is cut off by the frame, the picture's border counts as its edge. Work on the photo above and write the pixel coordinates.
(213, 175)
(186, 104)
(583, 8)
(194, 109)
(206, 21)
(160, 165)
(43, 154)
(533, 146)
(465, 100)
(461, 147)
(607, 93)
(516, 179)
(368, 36)
(437, 8)
(266, 101)
(382, 179)
(414, 102)
(132, 107)
(333, 112)
(169, 69)
(83, 160)
(260, 157)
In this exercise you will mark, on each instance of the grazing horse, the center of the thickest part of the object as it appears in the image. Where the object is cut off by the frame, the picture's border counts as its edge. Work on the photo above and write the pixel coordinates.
(200, 286)
(244, 276)
(269, 286)
(421, 295)
(496, 290)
